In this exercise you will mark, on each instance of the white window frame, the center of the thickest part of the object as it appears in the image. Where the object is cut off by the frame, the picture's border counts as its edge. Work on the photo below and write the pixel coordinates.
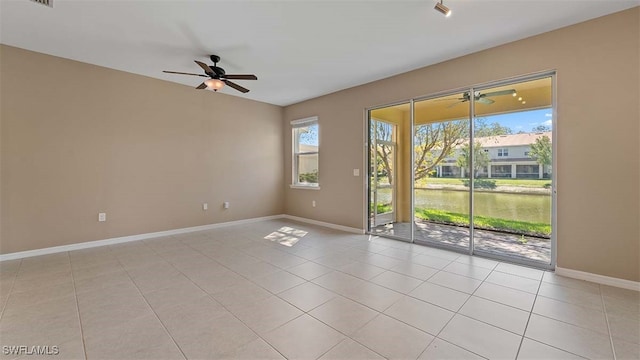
(503, 152)
(295, 153)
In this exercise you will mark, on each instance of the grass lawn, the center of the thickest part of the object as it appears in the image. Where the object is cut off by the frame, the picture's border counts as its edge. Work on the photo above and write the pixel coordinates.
(383, 208)
(530, 183)
(483, 222)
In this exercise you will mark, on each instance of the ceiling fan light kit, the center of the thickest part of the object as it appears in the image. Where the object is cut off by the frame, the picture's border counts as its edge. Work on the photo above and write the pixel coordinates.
(218, 78)
(214, 84)
(443, 8)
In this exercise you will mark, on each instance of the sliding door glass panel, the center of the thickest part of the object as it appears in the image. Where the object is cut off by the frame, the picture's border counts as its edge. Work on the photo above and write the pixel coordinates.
(389, 180)
(512, 157)
(441, 171)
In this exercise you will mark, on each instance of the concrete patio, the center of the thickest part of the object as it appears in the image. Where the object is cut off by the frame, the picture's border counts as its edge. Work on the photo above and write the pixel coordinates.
(499, 243)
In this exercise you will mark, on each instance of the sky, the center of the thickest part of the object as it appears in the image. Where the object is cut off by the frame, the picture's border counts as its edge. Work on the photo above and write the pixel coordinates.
(522, 121)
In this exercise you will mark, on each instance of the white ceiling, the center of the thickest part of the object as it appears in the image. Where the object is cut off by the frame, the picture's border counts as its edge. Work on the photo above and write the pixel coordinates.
(298, 49)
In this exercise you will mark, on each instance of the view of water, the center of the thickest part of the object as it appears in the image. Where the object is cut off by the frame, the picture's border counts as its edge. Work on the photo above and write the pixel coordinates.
(522, 207)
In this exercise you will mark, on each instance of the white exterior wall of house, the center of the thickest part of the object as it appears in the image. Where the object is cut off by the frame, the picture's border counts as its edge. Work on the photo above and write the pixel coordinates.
(516, 163)
(308, 164)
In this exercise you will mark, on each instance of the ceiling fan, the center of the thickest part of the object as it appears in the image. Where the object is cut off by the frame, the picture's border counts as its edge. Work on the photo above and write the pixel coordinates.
(482, 97)
(217, 76)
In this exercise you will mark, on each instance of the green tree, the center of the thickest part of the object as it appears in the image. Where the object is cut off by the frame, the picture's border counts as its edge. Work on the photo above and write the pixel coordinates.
(483, 129)
(541, 128)
(541, 150)
(383, 131)
(480, 157)
(434, 142)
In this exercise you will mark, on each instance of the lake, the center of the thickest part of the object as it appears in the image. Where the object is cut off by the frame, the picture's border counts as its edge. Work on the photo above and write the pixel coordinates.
(521, 207)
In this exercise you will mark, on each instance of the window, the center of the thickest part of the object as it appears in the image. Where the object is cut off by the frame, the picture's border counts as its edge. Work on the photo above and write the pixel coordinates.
(503, 152)
(305, 152)
(526, 153)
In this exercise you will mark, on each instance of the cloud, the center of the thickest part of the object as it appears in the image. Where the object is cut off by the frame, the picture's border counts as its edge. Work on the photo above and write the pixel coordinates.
(547, 123)
(548, 115)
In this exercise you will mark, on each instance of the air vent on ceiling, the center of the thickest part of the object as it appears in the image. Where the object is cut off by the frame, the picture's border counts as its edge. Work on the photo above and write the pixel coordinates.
(48, 3)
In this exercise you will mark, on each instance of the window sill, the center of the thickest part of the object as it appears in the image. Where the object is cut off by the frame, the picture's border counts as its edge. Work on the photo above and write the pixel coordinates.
(306, 187)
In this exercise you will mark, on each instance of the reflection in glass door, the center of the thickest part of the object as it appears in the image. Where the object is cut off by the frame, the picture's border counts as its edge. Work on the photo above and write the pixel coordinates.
(389, 178)
(383, 148)
(512, 197)
(441, 175)
(471, 171)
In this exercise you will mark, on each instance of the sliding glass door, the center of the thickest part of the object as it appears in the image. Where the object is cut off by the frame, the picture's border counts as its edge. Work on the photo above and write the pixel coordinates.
(389, 176)
(441, 176)
(471, 170)
(512, 197)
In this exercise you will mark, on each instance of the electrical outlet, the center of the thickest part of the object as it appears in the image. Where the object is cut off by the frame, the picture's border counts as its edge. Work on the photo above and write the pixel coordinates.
(225, 205)
(102, 217)
(356, 172)
(205, 206)
(313, 203)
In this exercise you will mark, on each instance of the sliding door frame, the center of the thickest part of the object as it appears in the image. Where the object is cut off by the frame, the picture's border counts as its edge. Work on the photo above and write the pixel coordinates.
(554, 172)
(367, 164)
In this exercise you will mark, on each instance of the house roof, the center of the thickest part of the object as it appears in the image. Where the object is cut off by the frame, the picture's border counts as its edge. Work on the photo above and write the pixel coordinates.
(511, 140)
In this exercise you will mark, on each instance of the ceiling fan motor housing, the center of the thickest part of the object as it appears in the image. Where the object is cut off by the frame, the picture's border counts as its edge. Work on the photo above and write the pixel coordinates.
(218, 70)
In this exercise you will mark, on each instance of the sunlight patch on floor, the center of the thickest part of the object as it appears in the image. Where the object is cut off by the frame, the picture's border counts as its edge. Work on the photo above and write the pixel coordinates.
(286, 236)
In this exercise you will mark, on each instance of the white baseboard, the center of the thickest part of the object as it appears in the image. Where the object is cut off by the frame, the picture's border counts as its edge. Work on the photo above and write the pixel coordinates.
(123, 239)
(600, 279)
(325, 224)
(581, 275)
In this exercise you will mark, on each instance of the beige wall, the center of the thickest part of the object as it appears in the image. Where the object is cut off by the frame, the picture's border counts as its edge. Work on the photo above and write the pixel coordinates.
(79, 139)
(598, 79)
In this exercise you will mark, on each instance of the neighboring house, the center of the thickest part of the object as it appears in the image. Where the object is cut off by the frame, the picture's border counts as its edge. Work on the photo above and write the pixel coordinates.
(508, 158)
(309, 163)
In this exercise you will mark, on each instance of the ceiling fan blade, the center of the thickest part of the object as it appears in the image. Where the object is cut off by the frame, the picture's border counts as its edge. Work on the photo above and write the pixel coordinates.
(240, 77)
(201, 86)
(236, 86)
(456, 104)
(501, 92)
(183, 73)
(204, 67)
(485, 100)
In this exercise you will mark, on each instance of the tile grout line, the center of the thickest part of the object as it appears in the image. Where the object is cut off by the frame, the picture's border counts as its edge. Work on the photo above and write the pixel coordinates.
(339, 271)
(75, 295)
(542, 282)
(149, 305)
(207, 295)
(357, 302)
(355, 331)
(458, 312)
(210, 296)
(529, 318)
(560, 321)
(13, 282)
(606, 318)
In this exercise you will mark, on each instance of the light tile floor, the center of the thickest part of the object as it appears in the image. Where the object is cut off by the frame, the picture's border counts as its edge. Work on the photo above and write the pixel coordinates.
(279, 289)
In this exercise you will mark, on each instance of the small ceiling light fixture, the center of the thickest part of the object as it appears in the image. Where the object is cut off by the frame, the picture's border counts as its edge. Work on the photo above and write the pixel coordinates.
(443, 9)
(514, 94)
(214, 84)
